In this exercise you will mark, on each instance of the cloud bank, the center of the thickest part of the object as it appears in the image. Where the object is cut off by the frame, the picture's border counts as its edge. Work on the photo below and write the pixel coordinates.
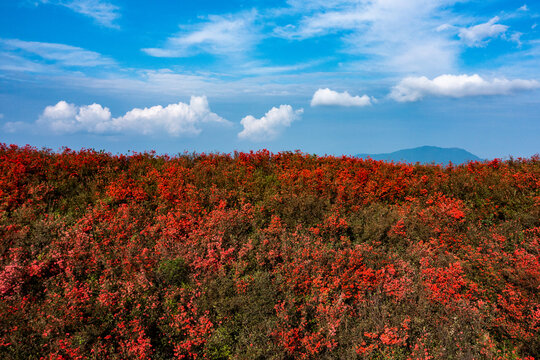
(457, 86)
(327, 97)
(270, 125)
(174, 119)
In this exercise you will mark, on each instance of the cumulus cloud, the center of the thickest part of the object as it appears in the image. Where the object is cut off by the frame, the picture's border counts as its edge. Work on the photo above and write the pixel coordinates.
(174, 119)
(59, 53)
(327, 97)
(103, 12)
(69, 118)
(270, 125)
(415, 88)
(479, 35)
(220, 35)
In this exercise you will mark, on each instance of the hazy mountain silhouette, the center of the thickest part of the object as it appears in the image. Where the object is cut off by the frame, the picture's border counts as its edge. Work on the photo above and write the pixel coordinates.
(426, 155)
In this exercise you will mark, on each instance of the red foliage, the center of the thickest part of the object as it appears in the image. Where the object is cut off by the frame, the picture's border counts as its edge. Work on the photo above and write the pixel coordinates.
(260, 255)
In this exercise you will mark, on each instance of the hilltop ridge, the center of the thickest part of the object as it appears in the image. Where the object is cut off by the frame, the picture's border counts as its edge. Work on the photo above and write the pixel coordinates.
(425, 155)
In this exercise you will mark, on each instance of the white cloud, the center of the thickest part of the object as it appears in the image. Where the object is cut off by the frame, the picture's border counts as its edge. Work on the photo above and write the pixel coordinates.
(320, 4)
(13, 62)
(69, 118)
(270, 125)
(261, 68)
(524, 8)
(415, 88)
(220, 35)
(62, 110)
(323, 23)
(15, 126)
(174, 119)
(516, 37)
(395, 35)
(62, 54)
(479, 35)
(101, 11)
(327, 97)
(1, 116)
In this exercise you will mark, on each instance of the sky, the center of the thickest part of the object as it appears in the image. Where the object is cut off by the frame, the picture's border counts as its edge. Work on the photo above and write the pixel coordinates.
(337, 77)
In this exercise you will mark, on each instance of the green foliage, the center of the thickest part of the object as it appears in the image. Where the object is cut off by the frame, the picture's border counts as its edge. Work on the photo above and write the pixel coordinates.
(173, 272)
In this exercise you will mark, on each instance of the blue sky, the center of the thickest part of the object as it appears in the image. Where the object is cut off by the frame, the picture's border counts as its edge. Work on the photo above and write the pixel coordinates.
(326, 77)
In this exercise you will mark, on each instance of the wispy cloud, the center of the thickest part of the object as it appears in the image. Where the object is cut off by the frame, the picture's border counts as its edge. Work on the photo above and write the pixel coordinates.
(327, 97)
(398, 36)
(270, 125)
(13, 62)
(179, 119)
(103, 12)
(479, 35)
(219, 35)
(456, 86)
(320, 4)
(61, 54)
(385, 39)
(322, 23)
(155, 84)
(262, 67)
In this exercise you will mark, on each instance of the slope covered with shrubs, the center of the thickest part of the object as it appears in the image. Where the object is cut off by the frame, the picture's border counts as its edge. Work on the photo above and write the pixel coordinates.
(266, 256)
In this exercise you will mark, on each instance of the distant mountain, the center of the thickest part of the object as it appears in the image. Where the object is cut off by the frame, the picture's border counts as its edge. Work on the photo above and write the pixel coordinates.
(426, 155)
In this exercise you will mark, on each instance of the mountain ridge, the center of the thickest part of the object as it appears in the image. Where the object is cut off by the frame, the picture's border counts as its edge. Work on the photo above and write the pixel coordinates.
(426, 154)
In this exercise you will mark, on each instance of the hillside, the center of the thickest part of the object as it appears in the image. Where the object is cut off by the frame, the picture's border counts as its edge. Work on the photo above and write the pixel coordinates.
(266, 256)
(426, 155)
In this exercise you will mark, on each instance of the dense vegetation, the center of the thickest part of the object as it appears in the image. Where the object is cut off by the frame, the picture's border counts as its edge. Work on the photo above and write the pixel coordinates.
(266, 256)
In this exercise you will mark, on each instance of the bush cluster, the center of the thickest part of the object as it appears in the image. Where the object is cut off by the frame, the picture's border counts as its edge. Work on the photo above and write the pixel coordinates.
(266, 256)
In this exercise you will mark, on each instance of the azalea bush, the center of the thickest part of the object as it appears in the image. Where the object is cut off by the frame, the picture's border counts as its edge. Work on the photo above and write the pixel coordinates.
(266, 256)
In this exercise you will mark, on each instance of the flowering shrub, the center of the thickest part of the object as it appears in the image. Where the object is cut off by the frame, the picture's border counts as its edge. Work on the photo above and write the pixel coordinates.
(259, 255)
